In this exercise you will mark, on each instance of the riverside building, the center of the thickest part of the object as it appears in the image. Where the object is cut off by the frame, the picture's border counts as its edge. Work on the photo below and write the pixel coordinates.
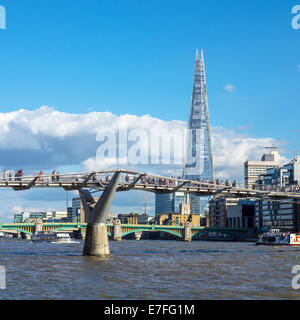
(218, 208)
(279, 215)
(45, 216)
(253, 169)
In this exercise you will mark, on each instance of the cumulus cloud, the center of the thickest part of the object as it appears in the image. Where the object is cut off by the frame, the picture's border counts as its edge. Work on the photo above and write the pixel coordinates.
(232, 148)
(229, 88)
(48, 139)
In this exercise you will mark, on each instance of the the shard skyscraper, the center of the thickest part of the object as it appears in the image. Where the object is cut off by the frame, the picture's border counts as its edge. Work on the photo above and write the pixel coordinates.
(199, 160)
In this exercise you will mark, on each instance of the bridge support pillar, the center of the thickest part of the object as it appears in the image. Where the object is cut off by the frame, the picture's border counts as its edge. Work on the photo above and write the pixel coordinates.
(96, 238)
(188, 232)
(117, 230)
(82, 233)
(137, 235)
(38, 226)
(27, 236)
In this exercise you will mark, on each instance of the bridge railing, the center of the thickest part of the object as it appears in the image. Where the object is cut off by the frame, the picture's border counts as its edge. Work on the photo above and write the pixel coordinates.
(128, 177)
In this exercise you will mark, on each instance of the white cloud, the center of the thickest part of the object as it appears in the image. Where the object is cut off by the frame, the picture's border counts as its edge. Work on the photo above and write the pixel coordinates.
(231, 149)
(229, 88)
(48, 139)
(17, 209)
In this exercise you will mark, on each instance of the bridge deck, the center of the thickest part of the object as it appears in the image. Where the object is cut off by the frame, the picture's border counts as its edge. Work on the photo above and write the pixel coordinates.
(132, 180)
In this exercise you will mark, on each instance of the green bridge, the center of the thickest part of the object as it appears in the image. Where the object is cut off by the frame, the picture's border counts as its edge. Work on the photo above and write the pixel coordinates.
(27, 229)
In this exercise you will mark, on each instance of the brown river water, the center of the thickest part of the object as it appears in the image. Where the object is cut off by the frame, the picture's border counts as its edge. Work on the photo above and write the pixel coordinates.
(148, 269)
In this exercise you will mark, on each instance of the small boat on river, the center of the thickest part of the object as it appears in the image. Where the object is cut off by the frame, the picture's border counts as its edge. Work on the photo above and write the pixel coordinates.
(279, 239)
(52, 237)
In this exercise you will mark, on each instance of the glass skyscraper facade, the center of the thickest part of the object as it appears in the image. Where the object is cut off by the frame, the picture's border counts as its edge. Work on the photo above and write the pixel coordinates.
(199, 161)
(169, 202)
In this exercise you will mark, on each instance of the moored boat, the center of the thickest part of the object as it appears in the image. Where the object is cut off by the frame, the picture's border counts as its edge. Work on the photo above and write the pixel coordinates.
(52, 237)
(279, 239)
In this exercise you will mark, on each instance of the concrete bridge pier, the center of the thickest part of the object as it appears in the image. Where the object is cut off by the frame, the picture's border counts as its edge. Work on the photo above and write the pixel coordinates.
(96, 238)
(138, 235)
(188, 231)
(27, 236)
(38, 226)
(82, 233)
(117, 230)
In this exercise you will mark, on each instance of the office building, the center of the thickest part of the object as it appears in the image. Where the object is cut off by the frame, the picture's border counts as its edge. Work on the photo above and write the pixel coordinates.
(177, 219)
(169, 202)
(133, 218)
(285, 177)
(218, 210)
(279, 215)
(199, 160)
(253, 169)
(45, 216)
(77, 211)
(242, 215)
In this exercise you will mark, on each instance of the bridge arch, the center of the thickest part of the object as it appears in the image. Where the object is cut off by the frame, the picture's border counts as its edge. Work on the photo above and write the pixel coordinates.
(64, 228)
(152, 230)
(8, 230)
(224, 231)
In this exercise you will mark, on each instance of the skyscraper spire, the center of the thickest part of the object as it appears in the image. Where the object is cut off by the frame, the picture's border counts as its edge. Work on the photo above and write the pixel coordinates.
(199, 162)
(197, 54)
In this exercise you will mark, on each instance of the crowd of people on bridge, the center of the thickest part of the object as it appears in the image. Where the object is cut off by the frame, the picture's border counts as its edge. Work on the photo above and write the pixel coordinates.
(9, 175)
(171, 181)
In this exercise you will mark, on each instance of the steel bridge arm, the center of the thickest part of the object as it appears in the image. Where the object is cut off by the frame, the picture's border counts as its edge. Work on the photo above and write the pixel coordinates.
(86, 179)
(132, 184)
(175, 189)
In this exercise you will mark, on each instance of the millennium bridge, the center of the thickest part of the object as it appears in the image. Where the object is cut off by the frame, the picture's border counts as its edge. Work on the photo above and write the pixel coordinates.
(111, 181)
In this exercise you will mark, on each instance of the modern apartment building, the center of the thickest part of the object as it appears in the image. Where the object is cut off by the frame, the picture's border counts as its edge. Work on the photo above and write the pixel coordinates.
(218, 211)
(282, 216)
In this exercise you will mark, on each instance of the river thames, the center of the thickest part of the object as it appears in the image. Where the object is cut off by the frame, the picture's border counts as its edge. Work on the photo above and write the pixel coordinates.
(148, 269)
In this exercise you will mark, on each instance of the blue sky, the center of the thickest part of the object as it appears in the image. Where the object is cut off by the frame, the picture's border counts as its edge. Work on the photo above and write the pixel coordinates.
(137, 57)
